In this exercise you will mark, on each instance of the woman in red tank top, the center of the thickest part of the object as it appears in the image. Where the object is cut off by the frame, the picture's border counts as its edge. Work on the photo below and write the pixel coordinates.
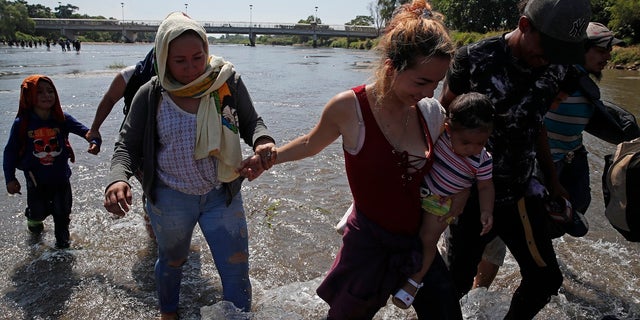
(387, 142)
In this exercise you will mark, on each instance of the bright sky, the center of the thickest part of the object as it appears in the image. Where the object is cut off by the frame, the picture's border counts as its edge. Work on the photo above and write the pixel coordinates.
(283, 11)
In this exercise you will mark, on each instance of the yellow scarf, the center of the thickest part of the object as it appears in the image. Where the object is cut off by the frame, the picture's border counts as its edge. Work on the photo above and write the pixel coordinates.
(217, 125)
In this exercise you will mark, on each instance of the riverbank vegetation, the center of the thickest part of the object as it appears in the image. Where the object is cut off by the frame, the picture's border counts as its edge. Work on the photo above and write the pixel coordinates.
(621, 16)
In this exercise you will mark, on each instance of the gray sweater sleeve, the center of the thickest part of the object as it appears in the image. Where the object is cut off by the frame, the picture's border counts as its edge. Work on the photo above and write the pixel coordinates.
(128, 150)
(250, 123)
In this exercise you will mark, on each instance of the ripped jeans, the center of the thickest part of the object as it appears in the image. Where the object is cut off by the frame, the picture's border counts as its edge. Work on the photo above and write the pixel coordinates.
(174, 216)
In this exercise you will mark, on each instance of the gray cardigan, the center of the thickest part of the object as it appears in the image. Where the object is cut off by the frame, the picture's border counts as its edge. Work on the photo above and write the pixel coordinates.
(138, 139)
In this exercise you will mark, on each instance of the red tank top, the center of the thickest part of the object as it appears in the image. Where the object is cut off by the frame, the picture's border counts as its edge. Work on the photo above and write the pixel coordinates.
(381, 186)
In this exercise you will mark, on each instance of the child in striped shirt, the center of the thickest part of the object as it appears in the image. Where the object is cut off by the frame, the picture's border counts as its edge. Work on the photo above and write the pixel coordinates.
(460, 161)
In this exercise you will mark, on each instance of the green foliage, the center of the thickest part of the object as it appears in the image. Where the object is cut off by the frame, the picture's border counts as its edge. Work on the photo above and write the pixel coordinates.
(600, 11)
(100, 36)
(478, 15)
(339, 43)
(463, 38)
(19, 36)
(625, 19)
(65, 11)
(474, 19)
(385, 9)
(310, 19)
(361, 44)
(625, 56)
(361, 21)
(39, 11)
(14, 18)
(275, 40)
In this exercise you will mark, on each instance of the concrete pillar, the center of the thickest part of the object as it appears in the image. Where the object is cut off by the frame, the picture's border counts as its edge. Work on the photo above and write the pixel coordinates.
(130, 36)
(67, 33)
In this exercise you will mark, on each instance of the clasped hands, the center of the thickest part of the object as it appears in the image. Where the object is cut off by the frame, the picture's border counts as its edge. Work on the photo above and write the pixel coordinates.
(263, 159)
(118, 196)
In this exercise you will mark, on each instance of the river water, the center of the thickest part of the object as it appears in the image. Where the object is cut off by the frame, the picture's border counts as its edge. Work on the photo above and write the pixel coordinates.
(291, 210)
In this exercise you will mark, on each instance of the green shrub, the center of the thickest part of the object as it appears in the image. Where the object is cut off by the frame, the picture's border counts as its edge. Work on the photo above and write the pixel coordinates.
(340, 43)
(464, 38)
(625, 55)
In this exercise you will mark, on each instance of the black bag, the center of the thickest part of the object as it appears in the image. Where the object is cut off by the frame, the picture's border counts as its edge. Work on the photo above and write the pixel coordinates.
(145, 70)
(609, 122)
(621, 189)
(612, 123)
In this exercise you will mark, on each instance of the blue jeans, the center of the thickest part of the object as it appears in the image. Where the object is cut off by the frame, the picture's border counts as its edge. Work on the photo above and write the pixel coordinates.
(574, 177)
(174, 215)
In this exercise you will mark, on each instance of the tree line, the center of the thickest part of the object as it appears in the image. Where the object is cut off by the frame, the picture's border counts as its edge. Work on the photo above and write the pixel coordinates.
(480, 16)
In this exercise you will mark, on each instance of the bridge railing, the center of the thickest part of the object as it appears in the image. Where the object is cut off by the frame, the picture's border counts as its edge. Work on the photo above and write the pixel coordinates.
(96, 22)
(223, 24)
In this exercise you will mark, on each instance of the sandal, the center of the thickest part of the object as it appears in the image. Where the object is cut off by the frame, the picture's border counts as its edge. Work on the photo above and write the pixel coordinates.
(403, 299)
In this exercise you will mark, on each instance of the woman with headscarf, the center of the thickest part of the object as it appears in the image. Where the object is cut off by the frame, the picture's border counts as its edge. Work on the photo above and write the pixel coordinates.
(184, 128)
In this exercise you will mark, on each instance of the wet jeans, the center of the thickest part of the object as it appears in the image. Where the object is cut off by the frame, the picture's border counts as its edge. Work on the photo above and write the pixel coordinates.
(174, 215)
(51, 199)
(574, 177)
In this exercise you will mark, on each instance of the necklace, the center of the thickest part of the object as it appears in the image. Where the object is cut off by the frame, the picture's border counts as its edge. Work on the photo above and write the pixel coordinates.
(385, 129)
(377, 108)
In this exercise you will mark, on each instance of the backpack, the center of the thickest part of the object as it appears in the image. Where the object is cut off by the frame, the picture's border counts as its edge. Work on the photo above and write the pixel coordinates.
(621, 189)
(145, 70)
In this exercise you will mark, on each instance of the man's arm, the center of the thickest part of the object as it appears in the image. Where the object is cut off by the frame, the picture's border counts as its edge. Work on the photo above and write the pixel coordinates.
(545, 160)
(110, 98)
(446, 96)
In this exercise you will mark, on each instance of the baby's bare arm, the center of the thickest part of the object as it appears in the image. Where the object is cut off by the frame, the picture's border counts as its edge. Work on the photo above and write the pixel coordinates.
(486, 196)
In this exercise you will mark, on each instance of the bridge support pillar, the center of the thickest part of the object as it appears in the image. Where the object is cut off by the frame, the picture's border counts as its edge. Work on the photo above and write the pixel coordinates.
(315, 40)
(252, 39)
(129, 36)
(67, 34)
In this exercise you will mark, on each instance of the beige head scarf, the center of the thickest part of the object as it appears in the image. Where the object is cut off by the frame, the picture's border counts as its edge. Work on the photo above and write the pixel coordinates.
(212, 137)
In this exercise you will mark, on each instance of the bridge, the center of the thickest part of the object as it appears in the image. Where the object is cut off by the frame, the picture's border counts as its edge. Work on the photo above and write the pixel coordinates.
(130, 28)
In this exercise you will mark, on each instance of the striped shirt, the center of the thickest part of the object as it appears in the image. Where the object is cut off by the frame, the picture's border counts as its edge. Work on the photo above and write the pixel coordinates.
(452, 173)
(566, 123)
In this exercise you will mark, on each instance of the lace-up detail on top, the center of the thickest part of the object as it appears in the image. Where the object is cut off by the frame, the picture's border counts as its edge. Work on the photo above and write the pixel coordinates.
(410, 164)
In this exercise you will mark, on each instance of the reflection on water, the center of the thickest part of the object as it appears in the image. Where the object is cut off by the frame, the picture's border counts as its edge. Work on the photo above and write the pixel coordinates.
(291, 209)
